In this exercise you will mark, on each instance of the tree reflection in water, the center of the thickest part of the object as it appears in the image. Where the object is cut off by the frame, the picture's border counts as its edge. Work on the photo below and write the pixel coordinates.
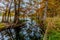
(28, 32)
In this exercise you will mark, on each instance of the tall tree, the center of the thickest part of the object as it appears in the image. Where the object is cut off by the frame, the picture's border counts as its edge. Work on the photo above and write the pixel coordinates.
(9, 10)
(16, 3)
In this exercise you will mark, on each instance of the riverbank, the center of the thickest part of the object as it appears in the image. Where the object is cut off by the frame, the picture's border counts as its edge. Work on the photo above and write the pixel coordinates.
(53, 28)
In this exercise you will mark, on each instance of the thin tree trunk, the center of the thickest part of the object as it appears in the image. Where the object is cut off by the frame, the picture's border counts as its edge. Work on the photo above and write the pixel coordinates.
(15, 18)
(3, 18)
(46, 5)
(16, 13)
(9, 12)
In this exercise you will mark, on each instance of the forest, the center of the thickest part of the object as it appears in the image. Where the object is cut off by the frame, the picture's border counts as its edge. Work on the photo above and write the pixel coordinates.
(29, 19)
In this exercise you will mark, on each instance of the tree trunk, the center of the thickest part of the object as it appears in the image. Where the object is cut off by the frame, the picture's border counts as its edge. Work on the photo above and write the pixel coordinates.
(9, 15)
(46, 5)
(3, 18)
(17, 29)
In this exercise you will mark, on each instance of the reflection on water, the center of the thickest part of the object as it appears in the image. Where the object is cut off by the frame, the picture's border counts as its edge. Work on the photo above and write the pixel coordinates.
(30, 31)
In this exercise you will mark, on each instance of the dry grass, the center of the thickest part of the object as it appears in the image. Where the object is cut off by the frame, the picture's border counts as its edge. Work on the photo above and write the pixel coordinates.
(52, 24)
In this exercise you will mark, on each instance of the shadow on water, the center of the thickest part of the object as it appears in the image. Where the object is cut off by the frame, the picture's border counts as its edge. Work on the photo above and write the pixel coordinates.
(30, 31)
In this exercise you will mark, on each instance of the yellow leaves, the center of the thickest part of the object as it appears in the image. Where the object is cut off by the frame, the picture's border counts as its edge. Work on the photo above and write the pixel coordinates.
(2, 25)
(52, 7)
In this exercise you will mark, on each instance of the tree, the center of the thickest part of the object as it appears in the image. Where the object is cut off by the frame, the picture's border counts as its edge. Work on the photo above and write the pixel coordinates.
(4, 15)
(9, 10)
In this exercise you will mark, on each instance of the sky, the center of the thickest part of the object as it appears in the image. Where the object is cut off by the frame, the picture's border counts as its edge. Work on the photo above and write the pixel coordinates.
(1, 4)
(26, 0)
(24, 5)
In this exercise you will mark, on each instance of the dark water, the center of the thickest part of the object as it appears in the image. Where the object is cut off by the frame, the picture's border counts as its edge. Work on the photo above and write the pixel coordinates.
(30, 31)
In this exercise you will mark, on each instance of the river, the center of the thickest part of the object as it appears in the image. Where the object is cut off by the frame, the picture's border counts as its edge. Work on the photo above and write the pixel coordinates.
(30, 31)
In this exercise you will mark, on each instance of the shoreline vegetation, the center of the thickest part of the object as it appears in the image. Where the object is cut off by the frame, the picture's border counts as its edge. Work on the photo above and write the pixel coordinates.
(52, 30)
(29, 19)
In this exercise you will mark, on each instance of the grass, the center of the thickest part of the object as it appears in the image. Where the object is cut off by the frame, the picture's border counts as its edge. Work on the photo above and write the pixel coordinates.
(54, 35)
(54, 29)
